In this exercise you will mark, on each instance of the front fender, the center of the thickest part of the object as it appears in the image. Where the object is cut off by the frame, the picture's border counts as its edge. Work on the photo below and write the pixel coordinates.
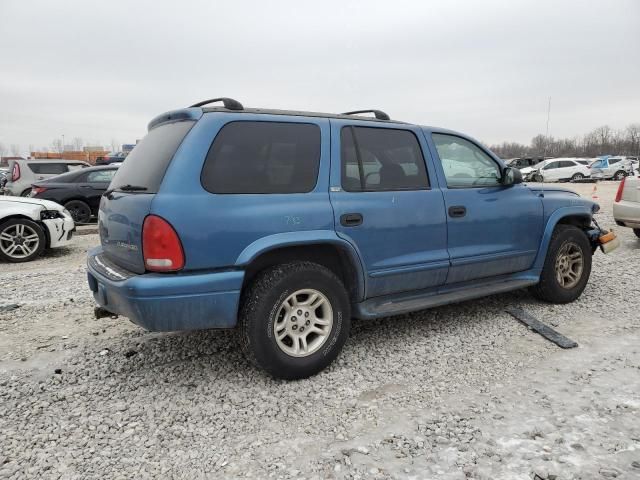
(309, 237)
(554, 219)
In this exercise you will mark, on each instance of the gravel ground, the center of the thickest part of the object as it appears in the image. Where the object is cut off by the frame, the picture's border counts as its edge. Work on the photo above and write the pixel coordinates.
(463, 391)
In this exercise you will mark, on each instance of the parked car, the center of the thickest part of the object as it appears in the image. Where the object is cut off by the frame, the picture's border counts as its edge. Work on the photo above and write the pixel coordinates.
(615, 168)
(24, 173)
(559, 170)
(626, 207)
(4, 176)
(117, 157)
(29, 226)
(286, 224)
(525, 162)
(78, 191)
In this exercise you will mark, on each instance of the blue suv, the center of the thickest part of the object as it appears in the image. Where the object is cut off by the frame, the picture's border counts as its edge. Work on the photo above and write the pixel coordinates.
(286, 224)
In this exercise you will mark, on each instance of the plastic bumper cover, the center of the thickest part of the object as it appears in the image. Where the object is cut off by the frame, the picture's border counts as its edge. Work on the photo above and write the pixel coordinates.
(166, 302)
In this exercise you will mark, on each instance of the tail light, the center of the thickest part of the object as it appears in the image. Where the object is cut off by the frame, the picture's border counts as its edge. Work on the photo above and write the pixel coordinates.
(161, 246)
(15, 173)
(620, 190)
(36, 190)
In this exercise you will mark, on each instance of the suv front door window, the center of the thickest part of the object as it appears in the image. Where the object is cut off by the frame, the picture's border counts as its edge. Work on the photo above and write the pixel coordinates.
(464, 164)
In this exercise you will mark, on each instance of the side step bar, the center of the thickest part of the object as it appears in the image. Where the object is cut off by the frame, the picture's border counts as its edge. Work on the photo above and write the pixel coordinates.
(400, 303)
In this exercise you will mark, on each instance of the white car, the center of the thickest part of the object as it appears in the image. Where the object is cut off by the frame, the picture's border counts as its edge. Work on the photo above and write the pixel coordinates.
(561, 169)
(29, 225)
(615, 168)
(626, 207)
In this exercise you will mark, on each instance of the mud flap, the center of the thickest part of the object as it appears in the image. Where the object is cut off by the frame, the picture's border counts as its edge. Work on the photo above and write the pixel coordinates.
(539, 327)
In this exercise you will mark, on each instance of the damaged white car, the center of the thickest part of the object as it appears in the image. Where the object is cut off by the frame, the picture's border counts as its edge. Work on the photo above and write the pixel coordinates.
(28, 226)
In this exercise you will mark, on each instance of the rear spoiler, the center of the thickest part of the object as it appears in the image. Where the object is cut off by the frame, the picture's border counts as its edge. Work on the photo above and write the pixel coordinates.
(175, 116)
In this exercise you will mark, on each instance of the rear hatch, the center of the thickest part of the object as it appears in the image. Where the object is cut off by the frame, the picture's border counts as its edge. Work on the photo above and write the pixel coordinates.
(125, 205)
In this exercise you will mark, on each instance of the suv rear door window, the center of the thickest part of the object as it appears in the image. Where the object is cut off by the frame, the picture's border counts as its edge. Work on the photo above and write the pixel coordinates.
(263, 157)
(381, 159)
(47, 168)
(148, 161)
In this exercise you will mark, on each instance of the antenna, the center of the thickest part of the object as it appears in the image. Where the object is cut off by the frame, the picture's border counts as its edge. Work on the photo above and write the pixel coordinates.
(546, 143)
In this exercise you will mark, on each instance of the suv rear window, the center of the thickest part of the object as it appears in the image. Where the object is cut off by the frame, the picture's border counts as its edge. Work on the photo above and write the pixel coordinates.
(263, 157)
(48, 168)
(148, 161)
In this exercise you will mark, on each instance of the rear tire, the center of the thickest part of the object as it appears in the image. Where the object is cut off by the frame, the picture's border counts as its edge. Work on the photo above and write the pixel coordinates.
(21, 240)
(26, 193)
(80, 211)
(619, 175)
(576, 177)
(637, 232)
(268, 328)
(567, 266)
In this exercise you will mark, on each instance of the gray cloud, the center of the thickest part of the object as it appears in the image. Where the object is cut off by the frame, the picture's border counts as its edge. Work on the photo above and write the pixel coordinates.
(101, 70)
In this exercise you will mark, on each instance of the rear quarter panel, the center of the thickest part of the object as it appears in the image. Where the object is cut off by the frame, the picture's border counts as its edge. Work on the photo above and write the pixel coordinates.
(216, 228)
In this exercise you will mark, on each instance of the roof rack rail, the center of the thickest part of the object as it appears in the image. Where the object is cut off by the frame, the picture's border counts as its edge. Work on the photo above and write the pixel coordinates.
(229, 103)
(379, 114)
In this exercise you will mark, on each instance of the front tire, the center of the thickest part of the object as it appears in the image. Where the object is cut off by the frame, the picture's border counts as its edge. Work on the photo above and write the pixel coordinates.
(21, 240)
(567, 266)
(294, 319)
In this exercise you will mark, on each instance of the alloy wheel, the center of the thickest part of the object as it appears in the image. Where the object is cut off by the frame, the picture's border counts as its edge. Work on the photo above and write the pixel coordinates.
(19, 241)
(303, 323)
(569, 265)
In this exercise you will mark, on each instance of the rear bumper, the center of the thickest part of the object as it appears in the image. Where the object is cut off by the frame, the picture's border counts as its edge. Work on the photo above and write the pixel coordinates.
(166, 302)
(627, 213)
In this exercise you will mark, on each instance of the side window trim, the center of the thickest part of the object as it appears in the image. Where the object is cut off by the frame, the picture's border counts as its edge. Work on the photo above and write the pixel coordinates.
(354, 139)
(363, 187)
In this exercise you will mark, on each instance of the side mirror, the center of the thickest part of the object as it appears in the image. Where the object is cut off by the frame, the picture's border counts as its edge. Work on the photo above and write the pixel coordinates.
(511, 176)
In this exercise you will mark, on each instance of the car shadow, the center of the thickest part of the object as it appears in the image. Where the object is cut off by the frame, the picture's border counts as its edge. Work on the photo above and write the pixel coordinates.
(214, 355)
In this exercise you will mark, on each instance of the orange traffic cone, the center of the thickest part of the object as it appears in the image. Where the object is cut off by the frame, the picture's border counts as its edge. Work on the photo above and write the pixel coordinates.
(594, 192)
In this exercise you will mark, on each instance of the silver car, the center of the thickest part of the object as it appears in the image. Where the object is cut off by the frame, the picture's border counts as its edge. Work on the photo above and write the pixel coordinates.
(626, 207)
(615, 168)
(23, 173)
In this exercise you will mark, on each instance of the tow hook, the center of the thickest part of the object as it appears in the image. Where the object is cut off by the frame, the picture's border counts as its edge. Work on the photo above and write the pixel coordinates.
(100, 312)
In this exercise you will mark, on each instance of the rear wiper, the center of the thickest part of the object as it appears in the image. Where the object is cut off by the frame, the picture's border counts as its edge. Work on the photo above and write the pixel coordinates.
(125, 188)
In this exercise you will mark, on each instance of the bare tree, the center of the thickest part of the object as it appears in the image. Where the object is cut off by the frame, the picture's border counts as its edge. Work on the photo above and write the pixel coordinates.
(115, 145)
(57, 146)
(3, 150)
(78, 143)
(15, 149)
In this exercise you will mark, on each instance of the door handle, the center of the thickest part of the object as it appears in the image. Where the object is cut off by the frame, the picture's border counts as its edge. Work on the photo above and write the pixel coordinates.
(457, 211)
(85, 186)
(351, 219)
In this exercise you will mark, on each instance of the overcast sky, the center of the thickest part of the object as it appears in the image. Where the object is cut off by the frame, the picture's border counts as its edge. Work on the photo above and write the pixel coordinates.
(102, 70)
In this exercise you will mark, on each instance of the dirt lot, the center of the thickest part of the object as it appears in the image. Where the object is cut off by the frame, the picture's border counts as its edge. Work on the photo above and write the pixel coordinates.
(462, 391)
